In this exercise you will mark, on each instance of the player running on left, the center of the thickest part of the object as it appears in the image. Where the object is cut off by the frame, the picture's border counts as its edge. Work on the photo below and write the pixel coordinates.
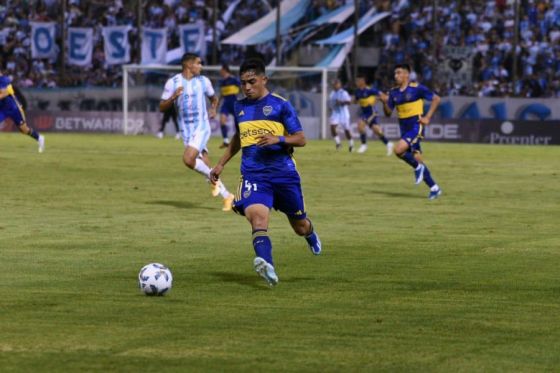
(188, 91)
(11, 108)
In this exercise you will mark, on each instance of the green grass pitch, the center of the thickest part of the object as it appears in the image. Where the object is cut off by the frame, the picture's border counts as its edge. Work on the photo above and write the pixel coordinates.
(469, 282)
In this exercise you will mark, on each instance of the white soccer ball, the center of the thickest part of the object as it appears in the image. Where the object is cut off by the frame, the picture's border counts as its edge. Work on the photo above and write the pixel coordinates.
(155, 279)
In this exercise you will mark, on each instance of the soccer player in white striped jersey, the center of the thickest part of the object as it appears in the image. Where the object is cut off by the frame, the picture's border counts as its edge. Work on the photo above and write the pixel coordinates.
(188, 91)
(340, 115)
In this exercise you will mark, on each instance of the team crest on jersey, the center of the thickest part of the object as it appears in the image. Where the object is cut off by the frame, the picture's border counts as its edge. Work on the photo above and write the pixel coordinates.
(408, 96)
(267, 110)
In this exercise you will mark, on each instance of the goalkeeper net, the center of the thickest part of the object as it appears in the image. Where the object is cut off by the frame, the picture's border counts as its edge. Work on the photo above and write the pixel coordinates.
(307, 88)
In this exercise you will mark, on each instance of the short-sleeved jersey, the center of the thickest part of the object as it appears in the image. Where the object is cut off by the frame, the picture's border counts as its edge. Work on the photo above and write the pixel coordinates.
(366, 98)
(10, 101)
(191, 105)
(410, 101)
(273, 115)
(229, 88)
(340, 95)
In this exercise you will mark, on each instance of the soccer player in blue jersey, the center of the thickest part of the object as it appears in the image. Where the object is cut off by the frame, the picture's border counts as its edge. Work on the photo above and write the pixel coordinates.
(408, 98)
(11, 108)
(267, 130)
(229, 89)
(188, 91)
(366, 97)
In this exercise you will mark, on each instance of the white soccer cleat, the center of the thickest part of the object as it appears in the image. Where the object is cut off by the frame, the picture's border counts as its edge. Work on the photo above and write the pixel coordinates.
(390, 147)
(265, 270)
(178, 136)
(362, 148)
(159, 135)
(41, 142)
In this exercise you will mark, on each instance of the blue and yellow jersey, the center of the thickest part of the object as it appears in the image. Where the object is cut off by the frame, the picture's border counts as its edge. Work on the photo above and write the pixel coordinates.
(10, 101)
(410, 102)
(274, 115)
(366, 98)
(229, 88)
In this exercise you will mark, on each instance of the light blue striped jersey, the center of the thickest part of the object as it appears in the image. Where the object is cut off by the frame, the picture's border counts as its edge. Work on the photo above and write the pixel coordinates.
(192, 112)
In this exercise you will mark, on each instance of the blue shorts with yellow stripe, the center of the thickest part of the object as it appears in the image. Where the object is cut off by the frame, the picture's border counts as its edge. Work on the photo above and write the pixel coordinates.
(227, 107)
(280, 193)
(412, 132)
(369, 119)
(14, 112)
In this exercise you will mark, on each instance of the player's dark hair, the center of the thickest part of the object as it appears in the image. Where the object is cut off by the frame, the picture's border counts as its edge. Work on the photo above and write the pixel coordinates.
(403, 66)
(189, 57)
(225, 67)
(361, 77)
(253, 64)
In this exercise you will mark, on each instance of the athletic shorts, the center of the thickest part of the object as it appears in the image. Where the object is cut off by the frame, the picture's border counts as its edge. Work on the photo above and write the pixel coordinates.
(369, 120)
(285, 196)
(227, 107)
(413, 135)
(341, 120)
(15, 113)
(197, 139)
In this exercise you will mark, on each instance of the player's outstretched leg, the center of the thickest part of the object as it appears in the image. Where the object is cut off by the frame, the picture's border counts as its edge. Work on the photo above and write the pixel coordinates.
(258, 215)
(403, 152)
(200, 163)
(34, 134)
(435, 190)
(350, 140)
(304, 227)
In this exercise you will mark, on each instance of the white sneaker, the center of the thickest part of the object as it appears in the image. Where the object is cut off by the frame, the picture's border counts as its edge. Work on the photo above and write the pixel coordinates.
(362, 148)
(265, 270)
(178, 136)
(390, 147)
(159, 135)
(41, 143)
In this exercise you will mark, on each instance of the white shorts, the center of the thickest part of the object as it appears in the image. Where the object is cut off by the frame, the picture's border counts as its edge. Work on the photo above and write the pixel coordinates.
(341, 120)
(198, 139)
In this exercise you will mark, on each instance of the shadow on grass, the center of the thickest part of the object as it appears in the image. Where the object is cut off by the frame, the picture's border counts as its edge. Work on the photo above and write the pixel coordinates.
(248, 279)
(252, 279)
(395, 194)
(180, 205)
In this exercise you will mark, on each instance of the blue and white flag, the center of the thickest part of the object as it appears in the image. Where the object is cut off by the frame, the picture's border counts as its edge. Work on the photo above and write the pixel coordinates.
(80, 46)
(154, 45)
(193, 38)
(42, 40)
(117, 47)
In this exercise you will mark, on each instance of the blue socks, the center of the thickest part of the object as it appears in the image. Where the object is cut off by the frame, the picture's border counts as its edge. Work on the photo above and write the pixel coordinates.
(262, 245)
(363, 138)
(408, 157)
(428, 177)
(383, 139)
(224, 130)
(34, 134)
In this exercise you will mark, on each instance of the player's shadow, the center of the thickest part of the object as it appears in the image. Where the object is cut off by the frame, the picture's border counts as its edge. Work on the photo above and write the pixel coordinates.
(252, 280)
(394, 194)
(180, 204)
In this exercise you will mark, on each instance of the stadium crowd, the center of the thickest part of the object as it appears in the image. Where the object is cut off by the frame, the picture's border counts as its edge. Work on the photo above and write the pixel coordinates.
(483, 27)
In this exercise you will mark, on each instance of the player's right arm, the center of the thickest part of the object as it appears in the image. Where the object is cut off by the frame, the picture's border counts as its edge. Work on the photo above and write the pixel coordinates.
(169, 95)
(388, 104)
(231, 151)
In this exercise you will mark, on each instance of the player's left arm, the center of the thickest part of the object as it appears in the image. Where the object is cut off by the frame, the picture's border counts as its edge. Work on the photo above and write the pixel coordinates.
(388, 103)
(429, 95)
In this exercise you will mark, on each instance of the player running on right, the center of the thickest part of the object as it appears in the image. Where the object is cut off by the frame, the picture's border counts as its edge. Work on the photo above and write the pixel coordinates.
(340, 115)
(409, 98)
